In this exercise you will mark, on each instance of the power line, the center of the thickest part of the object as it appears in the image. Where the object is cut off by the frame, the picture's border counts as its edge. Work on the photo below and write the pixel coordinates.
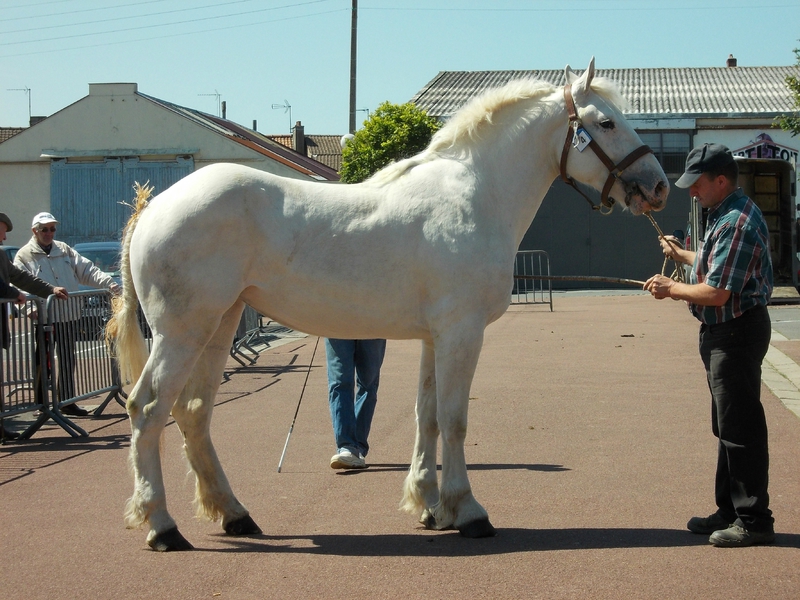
(572, 9)
(174, 35)
(153, 26)
(71, 12)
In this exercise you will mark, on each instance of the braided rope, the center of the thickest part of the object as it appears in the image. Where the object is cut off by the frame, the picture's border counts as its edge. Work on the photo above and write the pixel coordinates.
(678, 274)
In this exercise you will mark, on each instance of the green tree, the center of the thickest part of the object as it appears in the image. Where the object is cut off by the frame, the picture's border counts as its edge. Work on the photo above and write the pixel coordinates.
(792, 122)
(392, 132)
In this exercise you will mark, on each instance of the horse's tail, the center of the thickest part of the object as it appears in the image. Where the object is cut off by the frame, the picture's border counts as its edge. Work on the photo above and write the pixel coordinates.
(123, 335)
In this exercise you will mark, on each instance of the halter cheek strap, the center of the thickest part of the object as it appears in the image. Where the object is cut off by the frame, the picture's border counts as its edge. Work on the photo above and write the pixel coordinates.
(614, 170)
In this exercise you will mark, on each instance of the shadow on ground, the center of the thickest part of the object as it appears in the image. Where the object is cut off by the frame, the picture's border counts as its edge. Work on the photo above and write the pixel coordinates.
(507, 541)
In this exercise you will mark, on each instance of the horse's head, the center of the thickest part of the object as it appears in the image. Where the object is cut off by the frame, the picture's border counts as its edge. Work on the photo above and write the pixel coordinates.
(602, 149)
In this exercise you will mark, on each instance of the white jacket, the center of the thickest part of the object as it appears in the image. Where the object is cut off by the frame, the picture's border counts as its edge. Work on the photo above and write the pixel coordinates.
(62, 267)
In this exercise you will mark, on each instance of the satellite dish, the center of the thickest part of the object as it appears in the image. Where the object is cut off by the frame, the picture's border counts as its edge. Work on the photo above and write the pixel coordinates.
(346, 138)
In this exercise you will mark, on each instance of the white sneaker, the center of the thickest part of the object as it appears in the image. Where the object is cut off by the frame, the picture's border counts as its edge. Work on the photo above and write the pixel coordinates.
(345, 459)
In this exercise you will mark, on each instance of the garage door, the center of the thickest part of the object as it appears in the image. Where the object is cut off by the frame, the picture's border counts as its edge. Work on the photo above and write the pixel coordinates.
(87, 198)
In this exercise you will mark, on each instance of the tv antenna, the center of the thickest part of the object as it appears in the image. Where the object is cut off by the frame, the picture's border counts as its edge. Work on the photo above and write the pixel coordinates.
(217, 95)
(366, 110)
(287, 108)
(27, 91)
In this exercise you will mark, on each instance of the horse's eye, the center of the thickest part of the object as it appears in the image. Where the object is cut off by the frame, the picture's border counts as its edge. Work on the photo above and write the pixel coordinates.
(607, 124)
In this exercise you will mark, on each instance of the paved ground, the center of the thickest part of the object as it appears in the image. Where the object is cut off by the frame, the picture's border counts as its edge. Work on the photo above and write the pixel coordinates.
(589, 444)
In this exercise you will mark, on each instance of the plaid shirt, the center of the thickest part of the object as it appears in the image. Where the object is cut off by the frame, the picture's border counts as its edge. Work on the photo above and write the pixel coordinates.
(734, 256)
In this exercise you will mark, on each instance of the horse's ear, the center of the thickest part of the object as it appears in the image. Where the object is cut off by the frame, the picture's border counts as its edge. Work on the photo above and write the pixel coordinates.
(588, 75)
(569, 75)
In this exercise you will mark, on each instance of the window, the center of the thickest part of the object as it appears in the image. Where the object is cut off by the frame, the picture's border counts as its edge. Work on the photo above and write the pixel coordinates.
(670, 148)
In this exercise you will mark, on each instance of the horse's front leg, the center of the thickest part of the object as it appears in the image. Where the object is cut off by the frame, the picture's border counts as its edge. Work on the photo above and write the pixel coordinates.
(420, 490)
(457, 352)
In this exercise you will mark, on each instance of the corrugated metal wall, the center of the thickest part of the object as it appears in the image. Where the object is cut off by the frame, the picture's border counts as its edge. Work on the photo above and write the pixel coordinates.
(580, 241)
(86, 197)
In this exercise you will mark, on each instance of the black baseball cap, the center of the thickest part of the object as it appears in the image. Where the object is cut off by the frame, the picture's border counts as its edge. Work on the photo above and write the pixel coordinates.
(705, 158)
(4, 219)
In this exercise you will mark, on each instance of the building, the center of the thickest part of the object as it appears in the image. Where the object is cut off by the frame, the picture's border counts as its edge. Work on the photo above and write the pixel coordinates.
(673, 110)
(326, 149)
(81, 163)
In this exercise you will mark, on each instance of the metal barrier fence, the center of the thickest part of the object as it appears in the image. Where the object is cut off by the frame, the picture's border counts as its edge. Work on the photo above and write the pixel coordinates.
(253, 331)
(54, 355)
(529, 263)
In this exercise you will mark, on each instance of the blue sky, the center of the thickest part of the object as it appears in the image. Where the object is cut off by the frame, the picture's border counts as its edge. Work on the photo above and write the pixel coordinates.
(254, 54)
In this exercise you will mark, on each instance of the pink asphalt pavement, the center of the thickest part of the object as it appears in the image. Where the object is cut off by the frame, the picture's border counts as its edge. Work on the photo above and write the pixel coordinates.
(589, 444)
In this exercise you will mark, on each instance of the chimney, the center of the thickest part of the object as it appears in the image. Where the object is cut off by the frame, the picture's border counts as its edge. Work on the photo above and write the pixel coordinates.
(255, 125)
(224, 108)
(299, 138)
(731, 62)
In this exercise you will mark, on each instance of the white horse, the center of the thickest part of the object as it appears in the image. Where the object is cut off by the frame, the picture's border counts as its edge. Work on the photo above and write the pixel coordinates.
(423, 250)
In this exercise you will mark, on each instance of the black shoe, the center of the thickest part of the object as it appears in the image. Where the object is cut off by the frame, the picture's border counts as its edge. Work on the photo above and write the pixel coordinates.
(73, 410)
(736, 536)
(708, 525)
(10, 435)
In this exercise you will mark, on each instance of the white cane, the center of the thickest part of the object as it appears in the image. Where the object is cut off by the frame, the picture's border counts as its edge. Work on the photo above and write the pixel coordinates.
(297, 410)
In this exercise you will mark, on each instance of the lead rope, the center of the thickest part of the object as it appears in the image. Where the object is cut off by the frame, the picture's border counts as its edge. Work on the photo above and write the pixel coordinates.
(678, 274)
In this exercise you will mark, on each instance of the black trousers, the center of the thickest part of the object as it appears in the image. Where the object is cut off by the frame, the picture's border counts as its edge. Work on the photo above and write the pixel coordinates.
(64, 338)
(732, 353)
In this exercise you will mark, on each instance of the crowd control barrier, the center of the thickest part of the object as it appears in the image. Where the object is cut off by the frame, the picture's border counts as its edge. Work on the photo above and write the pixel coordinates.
(528, 290)
(54, 355)
(252, 332)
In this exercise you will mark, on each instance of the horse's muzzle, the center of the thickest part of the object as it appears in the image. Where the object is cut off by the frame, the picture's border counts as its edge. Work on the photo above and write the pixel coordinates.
(640, 200)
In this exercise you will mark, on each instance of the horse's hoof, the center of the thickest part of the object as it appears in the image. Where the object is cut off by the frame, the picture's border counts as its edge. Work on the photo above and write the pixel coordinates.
(242, 526)
(477, 529)
(429, 522)
(170, 540)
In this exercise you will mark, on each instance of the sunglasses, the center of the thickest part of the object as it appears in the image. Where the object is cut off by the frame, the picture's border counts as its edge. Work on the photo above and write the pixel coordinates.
(46, 229)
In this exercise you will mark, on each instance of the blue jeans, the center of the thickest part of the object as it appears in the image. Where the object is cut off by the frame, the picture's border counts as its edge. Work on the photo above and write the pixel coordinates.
(352, 362)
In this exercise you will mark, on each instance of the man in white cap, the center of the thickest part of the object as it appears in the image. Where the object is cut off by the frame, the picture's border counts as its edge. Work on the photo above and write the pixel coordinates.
(58, 264)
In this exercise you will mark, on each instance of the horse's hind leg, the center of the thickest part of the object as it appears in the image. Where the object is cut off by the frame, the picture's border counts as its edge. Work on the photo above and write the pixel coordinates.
(420, 490)
(457, 352)
(192, 412)
(148, 408)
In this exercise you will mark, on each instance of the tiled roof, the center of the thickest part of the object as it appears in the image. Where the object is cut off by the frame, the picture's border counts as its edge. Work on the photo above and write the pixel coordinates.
(253, 140)
(687, 92)
(7, 132)
(326, 149)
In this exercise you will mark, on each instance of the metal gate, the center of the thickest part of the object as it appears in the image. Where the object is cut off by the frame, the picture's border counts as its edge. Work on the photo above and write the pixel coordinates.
(530, 263)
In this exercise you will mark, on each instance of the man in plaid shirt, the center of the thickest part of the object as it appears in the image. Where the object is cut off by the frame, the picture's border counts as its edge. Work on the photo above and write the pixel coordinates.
(728, 292)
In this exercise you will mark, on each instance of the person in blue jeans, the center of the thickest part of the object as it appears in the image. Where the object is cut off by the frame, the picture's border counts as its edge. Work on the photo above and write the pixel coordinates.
(351, 364)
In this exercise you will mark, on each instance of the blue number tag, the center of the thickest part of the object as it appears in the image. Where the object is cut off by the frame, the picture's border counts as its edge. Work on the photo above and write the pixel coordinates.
(581, 139)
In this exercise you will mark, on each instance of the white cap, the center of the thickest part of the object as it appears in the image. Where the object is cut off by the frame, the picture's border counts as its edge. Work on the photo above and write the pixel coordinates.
(42, 218)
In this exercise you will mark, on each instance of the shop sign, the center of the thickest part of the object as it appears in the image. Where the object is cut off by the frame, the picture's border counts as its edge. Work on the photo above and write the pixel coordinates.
(764, 147)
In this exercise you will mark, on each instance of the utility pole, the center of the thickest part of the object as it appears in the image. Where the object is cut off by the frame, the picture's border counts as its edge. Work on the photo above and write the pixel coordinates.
(353, 48)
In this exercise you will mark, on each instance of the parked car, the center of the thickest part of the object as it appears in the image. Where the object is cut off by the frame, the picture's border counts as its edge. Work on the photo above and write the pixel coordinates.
(11, 251)
(104, 255)
(96, 310)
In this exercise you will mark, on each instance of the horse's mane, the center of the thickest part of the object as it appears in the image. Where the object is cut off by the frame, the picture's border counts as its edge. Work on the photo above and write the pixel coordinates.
(468, 124)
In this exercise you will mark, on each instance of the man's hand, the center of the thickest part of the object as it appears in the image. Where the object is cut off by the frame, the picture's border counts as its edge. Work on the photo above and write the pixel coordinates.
(669, 243)
(659, 286)
(22, 298)
(60, 293)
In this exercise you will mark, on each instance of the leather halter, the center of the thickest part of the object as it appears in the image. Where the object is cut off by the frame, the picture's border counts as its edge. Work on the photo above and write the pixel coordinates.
(614, 170)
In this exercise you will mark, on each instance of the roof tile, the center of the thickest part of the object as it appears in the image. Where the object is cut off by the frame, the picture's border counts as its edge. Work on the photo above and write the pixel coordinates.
(685, 92)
